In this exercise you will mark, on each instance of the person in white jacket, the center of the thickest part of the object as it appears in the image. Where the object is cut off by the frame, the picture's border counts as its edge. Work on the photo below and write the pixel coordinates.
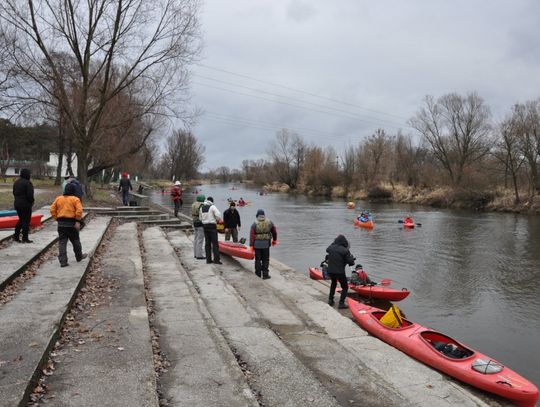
(210, 216)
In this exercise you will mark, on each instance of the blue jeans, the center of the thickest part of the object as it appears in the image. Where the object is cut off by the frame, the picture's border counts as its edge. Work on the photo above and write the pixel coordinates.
(125, 197)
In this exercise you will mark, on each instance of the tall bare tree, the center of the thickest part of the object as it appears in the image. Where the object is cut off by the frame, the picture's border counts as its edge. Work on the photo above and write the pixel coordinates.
(184, 155)
(287, 153)
(138, 48)
(457, 129)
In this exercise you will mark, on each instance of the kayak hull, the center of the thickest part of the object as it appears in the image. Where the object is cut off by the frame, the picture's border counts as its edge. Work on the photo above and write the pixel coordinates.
(236, 250)
(416, 341)
(11, 221)
(366, 225)
(8, 213)
(409, 225)
(376, 291)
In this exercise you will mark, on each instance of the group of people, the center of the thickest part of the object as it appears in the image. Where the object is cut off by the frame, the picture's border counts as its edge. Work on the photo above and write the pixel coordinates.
(206, 216)
(66, 209)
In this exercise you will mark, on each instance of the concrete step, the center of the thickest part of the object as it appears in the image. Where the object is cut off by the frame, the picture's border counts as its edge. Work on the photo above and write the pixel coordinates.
(132, 208)
(98, 209)
(171, 220)
(118, 368)
(279, 375)
(132, 213)
(203, 370)
(178, 226)
(31, 320)
(143, 217)
(15, 257)
(331, 345)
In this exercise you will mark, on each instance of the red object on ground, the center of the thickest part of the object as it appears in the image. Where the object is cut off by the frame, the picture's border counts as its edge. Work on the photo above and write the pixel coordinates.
(418, 342)
(236, 250)
(370, 291)
(11, 221)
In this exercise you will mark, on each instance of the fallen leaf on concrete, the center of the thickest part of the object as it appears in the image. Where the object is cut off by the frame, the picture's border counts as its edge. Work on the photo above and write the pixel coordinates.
(18, 359)
(120, 348)
(429, 386)
(33, 344)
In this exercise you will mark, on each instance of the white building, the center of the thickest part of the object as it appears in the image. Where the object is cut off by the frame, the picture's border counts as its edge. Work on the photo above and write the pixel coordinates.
(16, 166)
(53, 163)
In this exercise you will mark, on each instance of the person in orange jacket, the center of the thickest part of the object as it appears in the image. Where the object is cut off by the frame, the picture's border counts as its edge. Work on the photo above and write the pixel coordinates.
(67, 210)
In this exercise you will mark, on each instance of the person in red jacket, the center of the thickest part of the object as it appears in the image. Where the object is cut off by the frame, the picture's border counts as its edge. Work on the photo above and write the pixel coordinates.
(176, 195)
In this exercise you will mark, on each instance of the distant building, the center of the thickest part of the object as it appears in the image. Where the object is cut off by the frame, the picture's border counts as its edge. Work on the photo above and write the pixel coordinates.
(42, 168)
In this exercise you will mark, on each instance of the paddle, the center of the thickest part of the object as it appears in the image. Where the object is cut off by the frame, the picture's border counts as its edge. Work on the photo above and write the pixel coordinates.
(385, 281)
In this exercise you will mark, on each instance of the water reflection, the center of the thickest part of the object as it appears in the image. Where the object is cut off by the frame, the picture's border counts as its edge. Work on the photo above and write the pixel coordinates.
(474, 276)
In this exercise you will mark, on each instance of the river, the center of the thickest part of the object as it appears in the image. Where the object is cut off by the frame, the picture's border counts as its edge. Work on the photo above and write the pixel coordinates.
(474, 276)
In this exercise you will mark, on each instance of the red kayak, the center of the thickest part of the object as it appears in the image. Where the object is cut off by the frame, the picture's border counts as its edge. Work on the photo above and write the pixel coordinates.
(408, 223)
(11, 221)
(370, 291)
(447, 355)
(236, 250)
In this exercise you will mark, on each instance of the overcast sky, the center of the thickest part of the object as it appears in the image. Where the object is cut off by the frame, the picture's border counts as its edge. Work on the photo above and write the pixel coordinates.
(334, 71)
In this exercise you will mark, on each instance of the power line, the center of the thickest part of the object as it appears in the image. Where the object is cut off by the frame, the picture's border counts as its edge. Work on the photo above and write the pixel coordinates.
(301, 91)
(393, 123)
(296, 106)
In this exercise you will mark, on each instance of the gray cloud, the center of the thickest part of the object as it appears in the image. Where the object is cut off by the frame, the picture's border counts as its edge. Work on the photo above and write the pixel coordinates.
(383, 56)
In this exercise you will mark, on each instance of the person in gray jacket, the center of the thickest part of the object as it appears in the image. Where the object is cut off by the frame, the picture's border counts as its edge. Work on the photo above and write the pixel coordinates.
(263, 234)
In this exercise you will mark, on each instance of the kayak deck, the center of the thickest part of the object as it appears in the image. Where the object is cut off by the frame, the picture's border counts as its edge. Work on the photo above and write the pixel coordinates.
(236, 250)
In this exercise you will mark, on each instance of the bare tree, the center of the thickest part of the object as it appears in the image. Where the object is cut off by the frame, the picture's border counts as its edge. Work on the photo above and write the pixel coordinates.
(457, 130)
(133, 47)
(287, 153)
(184, 155)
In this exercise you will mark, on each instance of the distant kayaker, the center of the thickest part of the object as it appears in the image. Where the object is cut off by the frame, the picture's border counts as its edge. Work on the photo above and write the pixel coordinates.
(408, 219)
(210, 216)
(263, 233)
(23, 192)
(198, 238)
(241, 202)
(338, 257)
(231, 219)
(176, 195)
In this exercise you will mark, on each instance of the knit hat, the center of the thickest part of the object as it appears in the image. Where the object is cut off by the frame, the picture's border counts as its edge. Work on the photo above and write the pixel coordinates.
(260, 212)
(200, 198)
(25, 173)
(210, 199)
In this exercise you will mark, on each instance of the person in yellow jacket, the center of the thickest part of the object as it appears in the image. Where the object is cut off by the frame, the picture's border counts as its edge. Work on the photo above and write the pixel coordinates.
(67, 210)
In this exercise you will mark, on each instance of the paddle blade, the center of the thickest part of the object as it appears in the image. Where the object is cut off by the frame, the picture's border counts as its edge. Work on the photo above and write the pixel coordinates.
(386, 281)
(400, 221)
(419, 224)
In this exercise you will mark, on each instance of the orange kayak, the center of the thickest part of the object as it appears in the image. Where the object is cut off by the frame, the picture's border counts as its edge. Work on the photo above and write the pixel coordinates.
(368, 224)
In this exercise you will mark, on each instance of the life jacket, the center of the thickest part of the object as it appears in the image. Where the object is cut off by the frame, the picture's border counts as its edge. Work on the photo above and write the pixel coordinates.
(393, 317)
(263, 229)
(363, 277)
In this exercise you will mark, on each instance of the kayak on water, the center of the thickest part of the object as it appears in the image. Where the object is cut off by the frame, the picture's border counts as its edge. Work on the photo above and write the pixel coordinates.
(447, 355)
(408, 222)
(11, 221)
(8, 213)
(236, 250)
(370, 291)
(364, 223)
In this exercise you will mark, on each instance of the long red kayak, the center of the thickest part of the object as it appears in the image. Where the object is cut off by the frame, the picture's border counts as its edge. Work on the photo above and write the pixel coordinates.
(11, 221)
(236, 250)
(448, 355)
(370, 291)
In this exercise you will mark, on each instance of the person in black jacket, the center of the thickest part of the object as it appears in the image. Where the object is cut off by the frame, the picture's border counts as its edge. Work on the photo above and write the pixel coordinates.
(338, 257)
(231, 220)
(125, 186)
(23, 191)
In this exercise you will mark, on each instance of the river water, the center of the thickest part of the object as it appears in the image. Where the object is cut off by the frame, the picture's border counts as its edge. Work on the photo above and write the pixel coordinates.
(474, 276)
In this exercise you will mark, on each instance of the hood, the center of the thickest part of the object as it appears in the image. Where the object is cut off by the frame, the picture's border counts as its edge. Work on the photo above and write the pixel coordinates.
(70, 189)
(25, 173)
(207, 202)
(342, 241)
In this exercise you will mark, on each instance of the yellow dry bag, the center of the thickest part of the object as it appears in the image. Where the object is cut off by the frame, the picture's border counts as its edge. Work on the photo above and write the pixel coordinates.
(393, 317)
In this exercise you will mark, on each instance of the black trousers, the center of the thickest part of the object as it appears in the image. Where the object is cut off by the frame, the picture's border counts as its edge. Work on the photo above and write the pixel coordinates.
(262, 260)
(24, 213)
(342, 278)
(177, 205)
(71, 234)
(211, 242)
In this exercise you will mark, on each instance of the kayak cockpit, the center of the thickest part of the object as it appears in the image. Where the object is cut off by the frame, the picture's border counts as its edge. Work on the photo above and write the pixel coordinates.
(404, 322)
(445, 345)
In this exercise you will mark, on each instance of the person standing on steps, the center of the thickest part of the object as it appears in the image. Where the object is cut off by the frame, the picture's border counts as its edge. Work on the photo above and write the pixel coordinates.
(67, 210)
(125, 187)
(176, 195)
(210, 216)
(231, 219)
(338, 257)
(23, 192)
(198, 237)
(263, 233)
